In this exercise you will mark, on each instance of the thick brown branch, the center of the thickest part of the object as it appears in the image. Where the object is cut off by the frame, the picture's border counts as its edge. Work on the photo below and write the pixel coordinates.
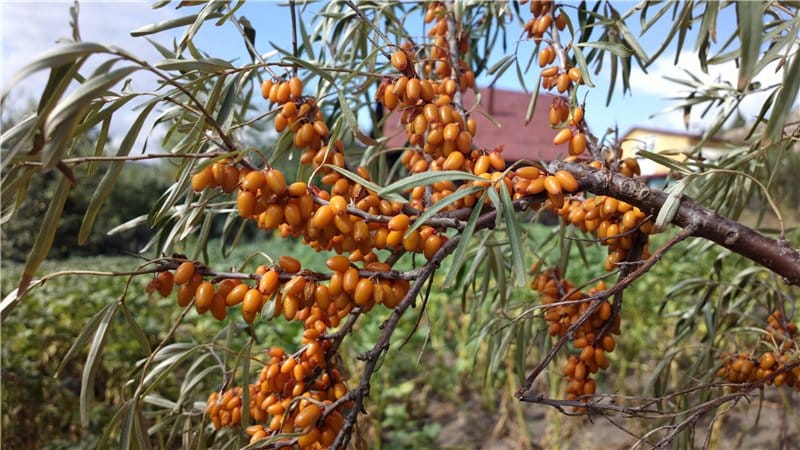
(773, 254)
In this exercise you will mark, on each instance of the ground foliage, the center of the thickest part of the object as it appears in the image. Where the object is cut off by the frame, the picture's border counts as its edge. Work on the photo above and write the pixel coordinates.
(443, 217)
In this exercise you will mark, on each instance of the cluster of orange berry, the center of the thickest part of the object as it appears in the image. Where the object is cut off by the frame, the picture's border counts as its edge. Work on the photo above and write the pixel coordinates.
(783, 338)
(614, 222)
(292, 394)
(542, 19)
(593, 339)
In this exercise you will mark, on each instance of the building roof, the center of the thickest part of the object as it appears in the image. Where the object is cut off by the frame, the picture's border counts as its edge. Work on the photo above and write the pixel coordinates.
(532, 142)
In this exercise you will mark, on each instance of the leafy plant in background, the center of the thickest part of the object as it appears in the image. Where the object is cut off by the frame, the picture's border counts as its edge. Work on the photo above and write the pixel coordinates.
(440, 216)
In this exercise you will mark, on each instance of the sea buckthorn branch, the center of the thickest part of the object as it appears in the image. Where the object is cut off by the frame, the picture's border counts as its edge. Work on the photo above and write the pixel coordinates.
(776, 255)
(371, 357)
(440, 221)
(597, 299)
(217, 275)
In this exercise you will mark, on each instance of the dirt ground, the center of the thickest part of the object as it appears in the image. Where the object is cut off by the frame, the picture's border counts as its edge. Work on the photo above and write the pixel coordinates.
(469, 426)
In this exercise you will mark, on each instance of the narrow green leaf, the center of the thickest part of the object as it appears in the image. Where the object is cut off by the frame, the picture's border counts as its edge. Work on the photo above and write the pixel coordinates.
(207, 65)
(64, 118)
(532, 103)
(87, 332)
(426, 178)
(581, 61)
(466, 235)
(671, 205)
(615, 48)
(93, 362)
(630, 39)
(441, 204)
(137, 330)
(110, 178)
(317, 69)
(750, 28)
(45, 236)
(512, 229)
(784, 101)
(208, 12)
(170, 24)
(664, 161)
(62, 55)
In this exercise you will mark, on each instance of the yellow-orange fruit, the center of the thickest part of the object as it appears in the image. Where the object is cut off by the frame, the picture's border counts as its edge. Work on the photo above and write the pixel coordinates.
(165, 282)
(608, 343)
(323, 217)
(251, 301)
(218, 308)
(266, 86)
(413, 90)
(464, 141)
(530, 172)
(451, 132)
(307, 416)
(245, 203)
(563, 136)
(481, 165)
(295, 87)
(400, 60)
(577, 144)
(363, 292)
(574, 74)
(281, 122)
(276, 181)
(204, 295)
(202, 179)
(552, 185)
(284, 91)
(289, 264)
(766, 361)
(472, 126)
(253, 181)
(431, 112)
(454, 161)
(350, 279)
(577, 115)
(549, 72)
(269, 283)
(236, 295)
(566, 180)
(309, 439)
(390, 99)
(338, 205)
(432, 245)
(338, 263)
(398, 223)
(184, 272)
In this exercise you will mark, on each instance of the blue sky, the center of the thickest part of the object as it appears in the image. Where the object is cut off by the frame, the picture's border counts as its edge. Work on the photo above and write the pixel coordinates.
(30, 28)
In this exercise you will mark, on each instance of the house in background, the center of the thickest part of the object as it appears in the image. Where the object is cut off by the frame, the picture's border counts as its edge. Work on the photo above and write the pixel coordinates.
(675, 145)
(533, 142)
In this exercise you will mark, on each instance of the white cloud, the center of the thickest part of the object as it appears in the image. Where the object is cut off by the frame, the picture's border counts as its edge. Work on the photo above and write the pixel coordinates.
(29, 29)
(656, 84)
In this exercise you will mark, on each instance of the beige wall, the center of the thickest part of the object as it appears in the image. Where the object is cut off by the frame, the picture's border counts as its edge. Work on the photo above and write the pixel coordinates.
(672, 145)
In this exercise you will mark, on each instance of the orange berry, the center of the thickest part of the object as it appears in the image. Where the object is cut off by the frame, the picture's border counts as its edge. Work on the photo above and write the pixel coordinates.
(563, 136)
(204, 295)
(289, 264)
(399, 222)
(400, 60)
(184, 272)
(566, 180)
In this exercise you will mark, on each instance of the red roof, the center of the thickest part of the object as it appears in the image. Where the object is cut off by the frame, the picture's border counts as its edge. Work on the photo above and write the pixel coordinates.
(533, 142)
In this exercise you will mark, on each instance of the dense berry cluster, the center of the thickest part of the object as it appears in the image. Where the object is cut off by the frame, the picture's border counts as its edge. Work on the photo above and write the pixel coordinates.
(591, 340)
(293, 394)
(780, 365)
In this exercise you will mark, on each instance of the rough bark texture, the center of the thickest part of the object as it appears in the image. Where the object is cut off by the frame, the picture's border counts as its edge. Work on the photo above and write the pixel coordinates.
(776, 255)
